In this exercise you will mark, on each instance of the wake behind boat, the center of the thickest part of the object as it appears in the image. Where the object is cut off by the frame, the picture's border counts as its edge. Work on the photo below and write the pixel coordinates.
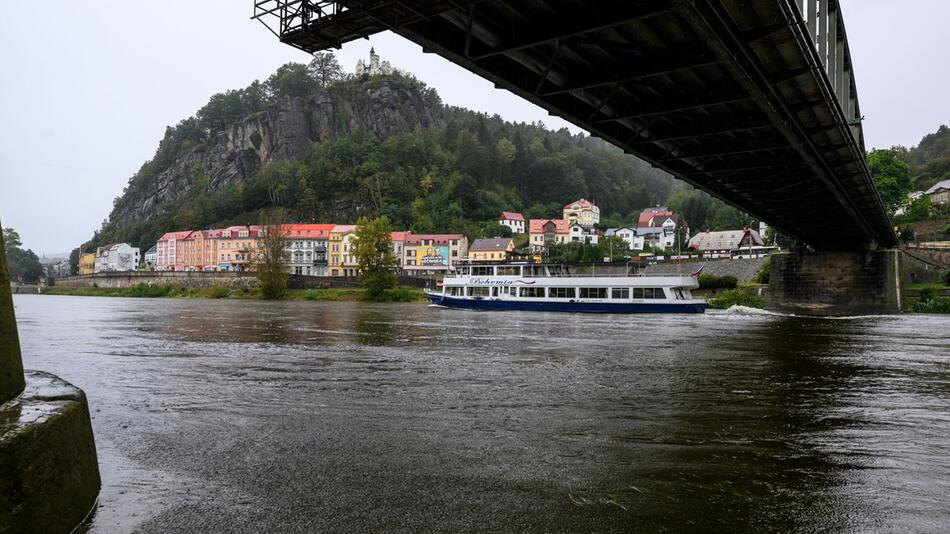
(555, 287)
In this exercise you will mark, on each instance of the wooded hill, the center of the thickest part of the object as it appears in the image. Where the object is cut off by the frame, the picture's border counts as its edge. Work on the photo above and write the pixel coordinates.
(330, 148)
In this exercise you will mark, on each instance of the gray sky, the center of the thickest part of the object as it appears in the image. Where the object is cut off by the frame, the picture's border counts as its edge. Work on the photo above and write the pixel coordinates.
(89, 87)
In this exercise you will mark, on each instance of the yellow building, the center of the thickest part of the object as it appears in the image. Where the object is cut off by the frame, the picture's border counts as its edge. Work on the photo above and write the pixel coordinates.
(582, 212)
(339, 260)
(494, 249)
(87, 263)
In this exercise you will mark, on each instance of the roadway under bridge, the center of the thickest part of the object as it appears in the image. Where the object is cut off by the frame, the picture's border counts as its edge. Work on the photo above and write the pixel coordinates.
(752, 101)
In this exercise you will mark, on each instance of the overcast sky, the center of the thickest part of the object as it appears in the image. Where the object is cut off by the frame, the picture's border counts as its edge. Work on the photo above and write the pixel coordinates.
(89, 87)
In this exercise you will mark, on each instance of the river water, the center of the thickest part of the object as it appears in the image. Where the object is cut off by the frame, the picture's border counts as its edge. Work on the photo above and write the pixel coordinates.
(246, 416)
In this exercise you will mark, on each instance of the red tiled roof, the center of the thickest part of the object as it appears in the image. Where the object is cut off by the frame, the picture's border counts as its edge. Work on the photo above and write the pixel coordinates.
(307, 230)
(581, 203)
(511, 216)
(343, 228)
(536, 226)
(646, 215)
(398, 236)
(175, 235)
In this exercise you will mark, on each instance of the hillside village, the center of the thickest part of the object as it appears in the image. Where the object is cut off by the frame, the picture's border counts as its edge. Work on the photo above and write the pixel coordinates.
(326, 249)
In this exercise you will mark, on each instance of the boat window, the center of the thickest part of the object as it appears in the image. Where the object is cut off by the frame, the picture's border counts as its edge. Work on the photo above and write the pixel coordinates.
(482, 271)
(620, 293)
(478, 291)
(534, 270)
(494, 291)
(678, 294)
(509, 270)
(532, 292)
(648, 293)
(561, 292)
(593, 292)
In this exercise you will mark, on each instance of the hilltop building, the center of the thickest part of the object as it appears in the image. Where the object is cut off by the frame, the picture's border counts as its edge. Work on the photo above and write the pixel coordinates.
(512, 220)
(374, 67)
(939, 194)
(583, 234)
(582, 212)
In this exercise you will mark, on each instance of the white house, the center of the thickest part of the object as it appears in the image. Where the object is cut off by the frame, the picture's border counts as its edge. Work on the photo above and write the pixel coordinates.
(658, 236)
(151, 257)
(512, 220)
(580, 234)
(634, 241)
(116, 257)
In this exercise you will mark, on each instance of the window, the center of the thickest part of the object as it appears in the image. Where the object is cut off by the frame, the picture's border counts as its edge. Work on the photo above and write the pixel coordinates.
(478, 291)
(620, 293)
(455, 253)
(509, 271)
(534, 292)
(648, 293)
(494, 291)
(593, 292)
(482, 271)
(561, 292)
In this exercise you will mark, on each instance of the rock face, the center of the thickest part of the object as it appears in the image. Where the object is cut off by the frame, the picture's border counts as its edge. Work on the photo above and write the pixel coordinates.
(378, 106)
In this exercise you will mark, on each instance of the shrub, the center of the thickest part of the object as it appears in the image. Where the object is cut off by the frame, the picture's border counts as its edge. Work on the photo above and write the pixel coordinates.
(936, 305)
(711, 281)
(736, 297)
(928, 293)
(149, 291)
(400, 294)
(218, 292)
(762, 277)
(945, 230)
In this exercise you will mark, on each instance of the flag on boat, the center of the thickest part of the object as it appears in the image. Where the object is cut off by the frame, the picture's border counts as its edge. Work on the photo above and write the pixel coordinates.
(698, 271)
(438, 283)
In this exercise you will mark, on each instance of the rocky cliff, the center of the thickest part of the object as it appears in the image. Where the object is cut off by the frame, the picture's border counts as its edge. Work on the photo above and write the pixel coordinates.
(284, 131)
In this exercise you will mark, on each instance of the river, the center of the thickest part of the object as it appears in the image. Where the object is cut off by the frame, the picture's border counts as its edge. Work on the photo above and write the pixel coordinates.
(248, 416)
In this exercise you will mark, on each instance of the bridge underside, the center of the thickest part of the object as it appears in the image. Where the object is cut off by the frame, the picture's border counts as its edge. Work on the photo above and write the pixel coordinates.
(728, 95)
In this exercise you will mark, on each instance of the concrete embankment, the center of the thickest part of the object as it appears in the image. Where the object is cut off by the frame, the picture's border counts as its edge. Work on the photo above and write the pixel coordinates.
(744, 269)
(231, 280)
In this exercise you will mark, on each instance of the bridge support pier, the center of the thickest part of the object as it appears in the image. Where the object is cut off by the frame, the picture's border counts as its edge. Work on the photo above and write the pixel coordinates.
(837, 283)
(49, 474)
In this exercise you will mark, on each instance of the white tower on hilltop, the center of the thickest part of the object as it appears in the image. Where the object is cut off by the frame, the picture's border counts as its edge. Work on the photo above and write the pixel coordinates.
(373, 67)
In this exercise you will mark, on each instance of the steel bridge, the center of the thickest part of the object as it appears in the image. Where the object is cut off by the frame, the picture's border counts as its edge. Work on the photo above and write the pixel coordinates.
(752, 101)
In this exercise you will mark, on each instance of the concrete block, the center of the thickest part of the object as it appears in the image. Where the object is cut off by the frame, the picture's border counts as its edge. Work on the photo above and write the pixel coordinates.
(49, 475)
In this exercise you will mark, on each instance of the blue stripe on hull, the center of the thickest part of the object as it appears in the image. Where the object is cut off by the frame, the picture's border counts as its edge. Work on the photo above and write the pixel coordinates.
(586, 307)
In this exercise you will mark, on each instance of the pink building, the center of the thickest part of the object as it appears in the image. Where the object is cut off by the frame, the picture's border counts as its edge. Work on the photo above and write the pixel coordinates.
(166, 250)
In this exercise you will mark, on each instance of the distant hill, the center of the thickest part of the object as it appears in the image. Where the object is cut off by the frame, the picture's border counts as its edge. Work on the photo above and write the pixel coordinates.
(375, 145)
(929, 160)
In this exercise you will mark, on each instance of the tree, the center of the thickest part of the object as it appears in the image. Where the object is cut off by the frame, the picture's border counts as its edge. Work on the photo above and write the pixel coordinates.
(373, 249)
(22, 265)
(291, 80)
(919, 209)
(325, 69)
(271, 257)
(891, 177)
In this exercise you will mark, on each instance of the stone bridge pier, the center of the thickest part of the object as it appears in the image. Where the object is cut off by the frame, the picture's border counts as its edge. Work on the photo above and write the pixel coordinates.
(49, 474)
(838, 283)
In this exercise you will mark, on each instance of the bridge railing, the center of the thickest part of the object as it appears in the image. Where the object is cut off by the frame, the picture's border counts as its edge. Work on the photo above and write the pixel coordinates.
(284, 16)
(824, 26)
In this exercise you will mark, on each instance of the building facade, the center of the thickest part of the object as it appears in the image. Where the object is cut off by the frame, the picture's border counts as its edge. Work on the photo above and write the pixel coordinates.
(582, 212)
(150, 258)
(307, 248)
(374, 67)
(544, 232)
(493, 249)
(512, 220)
(237, 248)
(939, 194)
(339, 262)
(634, 241)
(433, 253)
(116, 257)
(87, 263)
(728, 243)
(167, 250)
(581, 234)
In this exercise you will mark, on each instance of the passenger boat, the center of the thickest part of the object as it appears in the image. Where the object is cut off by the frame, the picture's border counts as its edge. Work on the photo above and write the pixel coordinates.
(565, 288)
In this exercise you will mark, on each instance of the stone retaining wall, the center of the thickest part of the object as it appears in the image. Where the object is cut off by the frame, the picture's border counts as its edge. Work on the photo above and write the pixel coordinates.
(208, 279)
(744, 269)
(836, 282)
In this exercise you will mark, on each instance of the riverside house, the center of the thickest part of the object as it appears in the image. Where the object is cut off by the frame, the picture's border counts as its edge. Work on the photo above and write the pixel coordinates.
(116, 257)
(493, 249)
(339, 262)
(87, 263)
(512, 220)
(237, 248)
(433, 253)
(307, 248)
(544, 232)
(166, 248)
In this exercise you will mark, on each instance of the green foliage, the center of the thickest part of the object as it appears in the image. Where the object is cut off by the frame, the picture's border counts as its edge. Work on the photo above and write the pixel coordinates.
(22, 264)
(918, 210)
(891, 177)
(928, 292)
(736, 297)
(614, 248)
(373, 249)
(702, 212)
(936, 305)
(291, 80)
(271, 257)
(946, 277)
(402, 294)
(711, 281)
(762, 277)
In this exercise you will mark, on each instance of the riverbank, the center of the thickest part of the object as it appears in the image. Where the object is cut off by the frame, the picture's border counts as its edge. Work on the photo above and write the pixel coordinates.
(398, 294)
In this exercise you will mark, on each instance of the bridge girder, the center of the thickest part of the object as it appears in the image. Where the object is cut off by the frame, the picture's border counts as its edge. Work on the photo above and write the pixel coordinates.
(753, 102)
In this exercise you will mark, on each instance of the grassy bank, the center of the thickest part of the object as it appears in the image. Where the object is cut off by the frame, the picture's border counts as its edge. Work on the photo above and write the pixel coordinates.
(399, 294)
